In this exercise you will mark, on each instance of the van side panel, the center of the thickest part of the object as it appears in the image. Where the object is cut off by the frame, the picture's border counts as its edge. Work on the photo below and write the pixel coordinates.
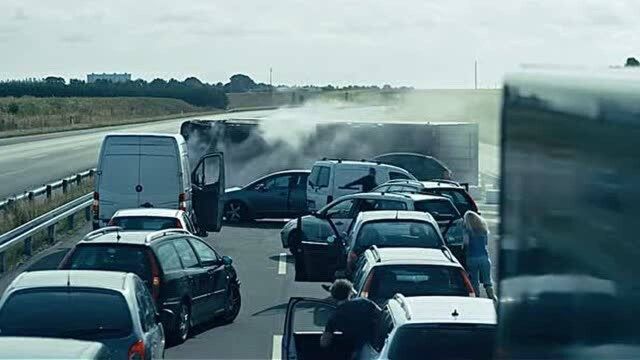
(160, 173)
(118, 175)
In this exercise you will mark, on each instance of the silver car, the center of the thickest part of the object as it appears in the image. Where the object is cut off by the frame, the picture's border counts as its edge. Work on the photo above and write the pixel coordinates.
(113, 308)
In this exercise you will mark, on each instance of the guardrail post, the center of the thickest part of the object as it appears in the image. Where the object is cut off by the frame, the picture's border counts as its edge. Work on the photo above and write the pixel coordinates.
(87, 213)
(71, 221)
(91, 173)
(65, 185)
(78, 179)
(48, 191)
(2, 264)
(51, 234)
(30, 195)
(27, 247)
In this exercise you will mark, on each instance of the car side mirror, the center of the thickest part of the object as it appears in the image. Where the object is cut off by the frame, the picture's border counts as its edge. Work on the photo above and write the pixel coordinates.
(227, 261)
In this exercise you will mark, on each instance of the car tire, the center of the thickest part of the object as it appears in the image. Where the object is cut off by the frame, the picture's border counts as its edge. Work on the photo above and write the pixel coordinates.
(233, 303)
(235, 212)
(292, 242)
(182, 327)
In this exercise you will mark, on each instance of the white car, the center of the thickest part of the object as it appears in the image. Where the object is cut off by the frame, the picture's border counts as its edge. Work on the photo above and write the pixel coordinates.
(423, 327)
(331, 179)
(152, 219)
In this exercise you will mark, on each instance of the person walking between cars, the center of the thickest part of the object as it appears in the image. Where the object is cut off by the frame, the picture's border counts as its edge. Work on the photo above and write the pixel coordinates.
(368, 182)
(476, 239)
(355, 318)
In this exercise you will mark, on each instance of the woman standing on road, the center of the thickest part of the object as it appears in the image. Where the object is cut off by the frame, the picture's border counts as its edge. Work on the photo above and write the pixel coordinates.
(476, 239)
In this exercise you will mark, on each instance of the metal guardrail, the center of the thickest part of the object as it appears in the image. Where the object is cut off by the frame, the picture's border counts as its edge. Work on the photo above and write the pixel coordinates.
(24, 233)
(48, 189)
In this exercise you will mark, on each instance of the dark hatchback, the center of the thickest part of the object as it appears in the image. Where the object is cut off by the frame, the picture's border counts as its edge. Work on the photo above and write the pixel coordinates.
(189, 281)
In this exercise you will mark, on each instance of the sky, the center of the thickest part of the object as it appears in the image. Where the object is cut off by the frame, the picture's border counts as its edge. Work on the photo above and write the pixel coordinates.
(420, 43)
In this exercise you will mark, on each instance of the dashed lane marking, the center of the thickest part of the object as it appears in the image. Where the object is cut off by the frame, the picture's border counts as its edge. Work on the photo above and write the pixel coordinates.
(282, 264)
(276, 350)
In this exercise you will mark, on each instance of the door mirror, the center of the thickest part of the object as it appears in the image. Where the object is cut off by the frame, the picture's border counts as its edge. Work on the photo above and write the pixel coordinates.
(227, 261)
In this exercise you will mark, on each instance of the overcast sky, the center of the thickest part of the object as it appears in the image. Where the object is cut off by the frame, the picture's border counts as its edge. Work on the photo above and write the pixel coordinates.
(421, 43)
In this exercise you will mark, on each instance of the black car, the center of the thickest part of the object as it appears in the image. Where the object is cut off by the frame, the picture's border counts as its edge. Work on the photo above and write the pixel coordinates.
(277, 195)
(190, 282)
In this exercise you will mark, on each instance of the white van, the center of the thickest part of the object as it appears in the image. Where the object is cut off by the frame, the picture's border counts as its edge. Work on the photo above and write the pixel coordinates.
(152, 170)
(331, 179)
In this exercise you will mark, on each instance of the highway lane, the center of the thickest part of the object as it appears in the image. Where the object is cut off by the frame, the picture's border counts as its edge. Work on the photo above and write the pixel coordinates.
(267, 283)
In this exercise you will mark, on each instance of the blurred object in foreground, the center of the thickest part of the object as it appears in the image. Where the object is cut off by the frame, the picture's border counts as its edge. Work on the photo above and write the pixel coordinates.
(570, 250)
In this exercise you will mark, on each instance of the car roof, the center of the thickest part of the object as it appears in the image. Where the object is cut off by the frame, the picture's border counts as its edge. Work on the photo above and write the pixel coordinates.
(426, 197)
(357, 162)
(411, 256)
(283, 172)
(120, 237)
(378, 215)
(14, 347)
(441, 309)
(153, 212)
(161, 135)
(111, 280)
(440, 184)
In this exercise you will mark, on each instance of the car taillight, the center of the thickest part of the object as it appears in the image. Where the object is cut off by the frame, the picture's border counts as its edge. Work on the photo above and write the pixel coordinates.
(95, 206)
(467, 283)
(182, 201)
(136, 351)
(367, 286)
(155, 276)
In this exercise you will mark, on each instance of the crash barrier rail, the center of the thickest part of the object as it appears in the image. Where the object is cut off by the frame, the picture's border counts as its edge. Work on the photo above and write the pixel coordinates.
(47, 190)
(24, 233)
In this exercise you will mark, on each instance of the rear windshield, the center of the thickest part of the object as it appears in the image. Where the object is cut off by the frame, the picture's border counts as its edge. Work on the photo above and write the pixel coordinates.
(145, 223)
(458, 197)
(416, 280)
(397, 234)
(443, 341)
(84, 314)
(439, 209)
(112, 257)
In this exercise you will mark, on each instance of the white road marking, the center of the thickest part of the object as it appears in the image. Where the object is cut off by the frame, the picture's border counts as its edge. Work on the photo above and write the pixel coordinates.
(282, 264)
(276, 350)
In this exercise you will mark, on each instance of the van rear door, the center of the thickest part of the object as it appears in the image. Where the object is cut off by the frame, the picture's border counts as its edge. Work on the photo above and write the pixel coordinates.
(160, 173)
(207, 180)
(118, 175)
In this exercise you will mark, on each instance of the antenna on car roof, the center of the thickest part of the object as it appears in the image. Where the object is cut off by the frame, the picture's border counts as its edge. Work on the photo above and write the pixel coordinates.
(68, 278)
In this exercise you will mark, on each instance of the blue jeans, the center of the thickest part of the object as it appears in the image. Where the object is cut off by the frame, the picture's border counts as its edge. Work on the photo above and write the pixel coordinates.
(479, 269)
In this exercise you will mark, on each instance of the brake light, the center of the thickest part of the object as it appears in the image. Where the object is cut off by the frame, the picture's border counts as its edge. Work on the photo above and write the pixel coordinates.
(467, 283)
(182, 201)
(136, 351)
(95, 206)
(155, 276)
(367, 286)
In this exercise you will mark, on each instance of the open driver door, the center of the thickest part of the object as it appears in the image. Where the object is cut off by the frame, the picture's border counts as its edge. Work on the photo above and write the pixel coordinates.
(318, 259)
(207, 181)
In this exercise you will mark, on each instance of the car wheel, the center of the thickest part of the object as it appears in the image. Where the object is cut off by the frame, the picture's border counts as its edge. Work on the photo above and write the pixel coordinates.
(233, 303)
(183, 324)
(235, 212)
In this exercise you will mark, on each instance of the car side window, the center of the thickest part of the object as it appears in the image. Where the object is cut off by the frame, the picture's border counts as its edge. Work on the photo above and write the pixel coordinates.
(384, 188)
(341, 210)
(395, 188)
(323, 177)
(188, 257)
(397, 175)
(168, 257)
(277, 183)
(206, 254)
(146, 309)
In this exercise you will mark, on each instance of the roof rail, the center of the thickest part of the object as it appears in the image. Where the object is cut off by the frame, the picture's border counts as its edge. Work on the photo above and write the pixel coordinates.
(445, 181)
(403, 304)
(375, 253)
(102, 231)
(160, 233)
(332, 159)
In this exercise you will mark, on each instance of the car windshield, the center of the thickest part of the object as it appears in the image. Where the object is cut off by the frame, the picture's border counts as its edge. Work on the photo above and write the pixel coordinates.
(439, 209)
(112, 257)
(416, 280)
(394, 233)
(148, 223)
(443, 341)
(67, 313)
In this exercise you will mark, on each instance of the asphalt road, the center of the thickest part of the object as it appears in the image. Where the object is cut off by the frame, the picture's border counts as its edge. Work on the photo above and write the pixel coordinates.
(31, 161)
(267, 283)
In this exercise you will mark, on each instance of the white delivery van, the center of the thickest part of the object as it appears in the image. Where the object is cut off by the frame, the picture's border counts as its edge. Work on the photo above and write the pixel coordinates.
(152, 170)
(331, 179)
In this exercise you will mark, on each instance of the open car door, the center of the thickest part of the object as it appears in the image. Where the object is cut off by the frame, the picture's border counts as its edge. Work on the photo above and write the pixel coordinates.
(303, 326)
(319, 259)
(207, 181)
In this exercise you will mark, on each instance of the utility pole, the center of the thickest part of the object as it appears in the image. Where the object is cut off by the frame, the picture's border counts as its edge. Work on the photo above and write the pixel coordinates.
(475, 71)
(270, 77)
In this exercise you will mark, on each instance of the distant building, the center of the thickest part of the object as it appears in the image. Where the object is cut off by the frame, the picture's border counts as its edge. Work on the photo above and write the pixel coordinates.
(114, 78)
